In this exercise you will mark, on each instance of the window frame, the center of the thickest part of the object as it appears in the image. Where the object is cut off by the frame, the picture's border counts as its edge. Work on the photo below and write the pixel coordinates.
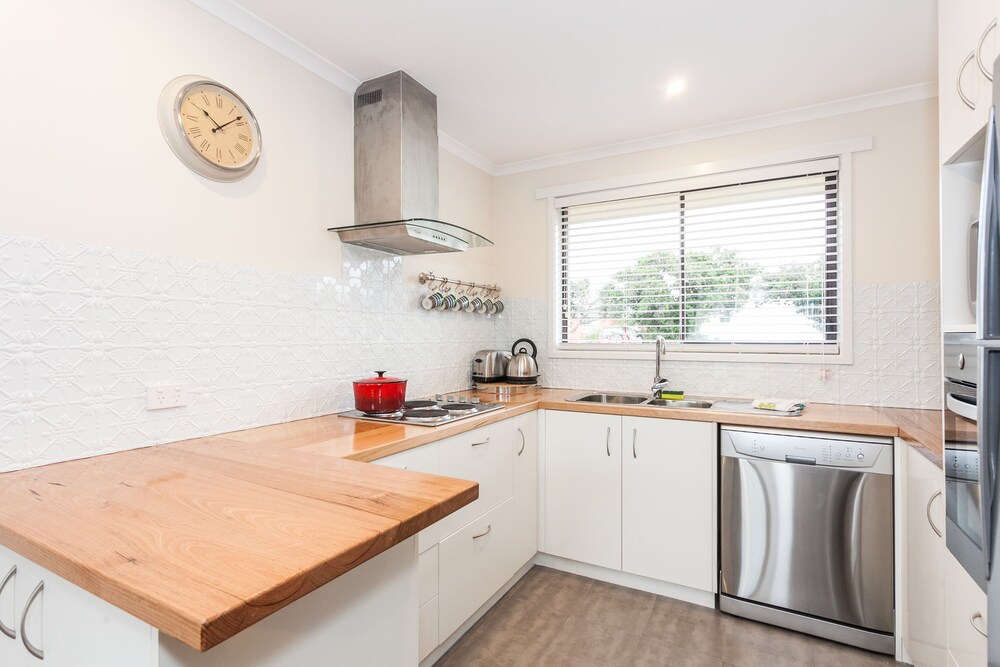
(712, 174)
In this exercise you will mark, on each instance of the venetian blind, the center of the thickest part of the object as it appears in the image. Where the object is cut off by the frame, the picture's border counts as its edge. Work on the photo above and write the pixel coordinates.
(753, 263)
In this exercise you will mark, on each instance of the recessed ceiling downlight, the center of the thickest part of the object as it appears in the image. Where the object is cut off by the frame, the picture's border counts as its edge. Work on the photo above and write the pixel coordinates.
(675, 87)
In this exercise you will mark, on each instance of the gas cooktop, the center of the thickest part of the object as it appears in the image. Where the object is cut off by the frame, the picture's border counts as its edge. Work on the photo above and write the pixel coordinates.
(442, 409)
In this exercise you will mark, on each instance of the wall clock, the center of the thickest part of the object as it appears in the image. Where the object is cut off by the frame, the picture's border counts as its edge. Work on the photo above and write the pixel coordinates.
(209, 128)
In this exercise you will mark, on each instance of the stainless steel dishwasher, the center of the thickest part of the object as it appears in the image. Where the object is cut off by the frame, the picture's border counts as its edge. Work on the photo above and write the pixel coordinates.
(806, 533)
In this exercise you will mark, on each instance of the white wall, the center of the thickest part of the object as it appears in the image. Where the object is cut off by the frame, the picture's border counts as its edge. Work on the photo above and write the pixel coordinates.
(894, 197)
(83, 159)
(895, 265)
(119, 268)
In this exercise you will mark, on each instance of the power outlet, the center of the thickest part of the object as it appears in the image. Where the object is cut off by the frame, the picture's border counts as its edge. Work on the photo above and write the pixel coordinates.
(166, 396)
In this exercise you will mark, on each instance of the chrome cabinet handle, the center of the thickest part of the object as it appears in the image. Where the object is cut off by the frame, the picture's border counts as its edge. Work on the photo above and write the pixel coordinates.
(32, 649)
(484, 442)
(979, 50)
(972, 621)
(607, 441)
(958, 82)
(930, 502)
(489, 527)
(523, 442)
(633, 443)
(6, 580)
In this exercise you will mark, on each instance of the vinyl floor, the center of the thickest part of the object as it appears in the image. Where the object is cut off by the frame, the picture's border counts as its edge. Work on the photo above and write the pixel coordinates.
(556, 618)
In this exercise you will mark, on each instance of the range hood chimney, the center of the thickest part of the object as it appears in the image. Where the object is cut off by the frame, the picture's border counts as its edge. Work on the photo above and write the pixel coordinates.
(396, 172)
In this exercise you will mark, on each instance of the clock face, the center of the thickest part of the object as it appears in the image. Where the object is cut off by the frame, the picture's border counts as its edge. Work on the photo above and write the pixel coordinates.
(218, 125)
(209, 128)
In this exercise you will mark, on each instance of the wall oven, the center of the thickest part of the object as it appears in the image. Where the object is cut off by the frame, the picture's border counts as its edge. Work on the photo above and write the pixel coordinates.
(961, 454)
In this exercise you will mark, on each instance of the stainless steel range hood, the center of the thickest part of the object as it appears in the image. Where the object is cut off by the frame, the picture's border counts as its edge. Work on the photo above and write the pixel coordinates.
(396, 172)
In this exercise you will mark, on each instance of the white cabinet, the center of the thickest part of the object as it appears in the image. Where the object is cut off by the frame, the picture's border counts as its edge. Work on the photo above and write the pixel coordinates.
(482, 455)
(475, 563)
(966, 613)
(668, 500)
(583, 492)
(66, 625)
(525, 452)
(925, 558)
(961, 26)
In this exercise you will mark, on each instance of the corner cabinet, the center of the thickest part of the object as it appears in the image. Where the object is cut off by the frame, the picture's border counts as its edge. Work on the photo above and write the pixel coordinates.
(632, 494)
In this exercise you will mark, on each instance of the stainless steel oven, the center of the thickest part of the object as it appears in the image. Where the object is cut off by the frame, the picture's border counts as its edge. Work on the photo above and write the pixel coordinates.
(961, 455)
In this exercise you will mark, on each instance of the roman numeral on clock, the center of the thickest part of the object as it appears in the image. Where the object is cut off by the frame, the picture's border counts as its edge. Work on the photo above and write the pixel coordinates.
(239, 147)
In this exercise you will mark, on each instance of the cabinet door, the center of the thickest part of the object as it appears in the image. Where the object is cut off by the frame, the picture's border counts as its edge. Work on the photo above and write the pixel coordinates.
(960, 25)
(925, 552)
(668, 500)
(475, 562)
(525, 487)
(11, 651)
(76, 629)
(966, 612)
(583, 487)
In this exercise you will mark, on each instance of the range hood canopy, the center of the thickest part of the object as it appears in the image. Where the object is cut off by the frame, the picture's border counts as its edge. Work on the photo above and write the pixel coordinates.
(396, 172)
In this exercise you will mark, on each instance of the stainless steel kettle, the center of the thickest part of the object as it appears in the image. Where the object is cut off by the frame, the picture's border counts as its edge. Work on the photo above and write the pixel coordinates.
(522, 367)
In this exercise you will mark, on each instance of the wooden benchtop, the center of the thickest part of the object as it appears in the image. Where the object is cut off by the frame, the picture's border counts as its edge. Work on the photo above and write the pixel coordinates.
(205, 537)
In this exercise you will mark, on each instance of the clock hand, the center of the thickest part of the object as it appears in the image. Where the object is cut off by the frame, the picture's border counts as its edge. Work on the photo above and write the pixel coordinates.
(217, 126)
(232, 121)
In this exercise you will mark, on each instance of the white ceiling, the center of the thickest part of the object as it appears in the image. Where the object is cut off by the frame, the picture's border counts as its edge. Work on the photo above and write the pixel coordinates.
(521, 80)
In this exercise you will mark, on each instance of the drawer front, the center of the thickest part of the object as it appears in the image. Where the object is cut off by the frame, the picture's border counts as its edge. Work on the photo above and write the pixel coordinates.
(421, 459)
(475, 562)
(484, 456)
(428, 620)
(427, 565)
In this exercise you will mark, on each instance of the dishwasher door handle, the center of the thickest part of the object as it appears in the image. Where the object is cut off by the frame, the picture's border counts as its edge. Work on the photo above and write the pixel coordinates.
(804, 460)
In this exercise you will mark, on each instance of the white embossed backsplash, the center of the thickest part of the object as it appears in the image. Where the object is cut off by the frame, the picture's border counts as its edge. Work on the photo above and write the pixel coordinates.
(85, 330)
(897, 358)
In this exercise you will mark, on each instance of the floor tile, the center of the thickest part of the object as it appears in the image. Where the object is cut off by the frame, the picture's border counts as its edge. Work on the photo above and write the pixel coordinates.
(658, 653)
(559, 591)
(831, 654)
(581, 643)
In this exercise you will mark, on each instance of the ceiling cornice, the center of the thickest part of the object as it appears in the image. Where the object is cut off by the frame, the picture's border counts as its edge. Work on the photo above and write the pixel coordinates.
(921, 91)
(249, 23)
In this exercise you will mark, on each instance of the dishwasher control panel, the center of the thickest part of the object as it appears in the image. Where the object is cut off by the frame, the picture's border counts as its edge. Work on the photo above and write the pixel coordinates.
(806, 450)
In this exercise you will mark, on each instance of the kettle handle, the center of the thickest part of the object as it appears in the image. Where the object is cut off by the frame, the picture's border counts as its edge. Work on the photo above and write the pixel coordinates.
(534, 348)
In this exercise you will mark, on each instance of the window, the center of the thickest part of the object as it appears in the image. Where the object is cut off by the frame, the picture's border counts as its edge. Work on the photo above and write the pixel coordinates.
(748, 265)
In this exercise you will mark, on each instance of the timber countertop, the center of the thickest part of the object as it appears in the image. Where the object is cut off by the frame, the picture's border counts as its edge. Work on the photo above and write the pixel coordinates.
(203, 538)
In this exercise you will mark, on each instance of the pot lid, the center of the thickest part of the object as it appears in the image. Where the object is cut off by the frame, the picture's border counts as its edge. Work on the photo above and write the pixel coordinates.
(380, 379)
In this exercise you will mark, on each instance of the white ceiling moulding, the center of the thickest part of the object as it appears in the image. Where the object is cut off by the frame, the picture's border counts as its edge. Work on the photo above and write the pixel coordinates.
(250, 24)
(885, 98)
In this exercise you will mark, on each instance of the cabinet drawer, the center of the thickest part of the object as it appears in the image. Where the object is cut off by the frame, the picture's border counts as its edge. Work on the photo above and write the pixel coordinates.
(428, 620)
(474, 563)
(483, 455)
(421, 459)
(427, 566)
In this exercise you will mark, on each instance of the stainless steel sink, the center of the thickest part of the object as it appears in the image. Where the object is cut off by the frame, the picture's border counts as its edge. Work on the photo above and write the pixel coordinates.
(616, 399)
(666, 403)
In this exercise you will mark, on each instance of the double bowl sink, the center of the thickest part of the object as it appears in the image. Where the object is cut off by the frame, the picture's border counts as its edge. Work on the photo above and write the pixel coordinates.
(636, 399)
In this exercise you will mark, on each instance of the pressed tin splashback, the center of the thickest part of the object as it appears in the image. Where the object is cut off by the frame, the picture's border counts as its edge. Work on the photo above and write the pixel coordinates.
(84, 330)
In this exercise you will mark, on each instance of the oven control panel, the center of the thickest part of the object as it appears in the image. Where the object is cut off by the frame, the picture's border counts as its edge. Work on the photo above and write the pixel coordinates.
(962, 464)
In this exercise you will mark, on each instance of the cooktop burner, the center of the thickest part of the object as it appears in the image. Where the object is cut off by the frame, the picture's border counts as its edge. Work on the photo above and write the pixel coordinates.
(383, 414)
(459, 407)
(442, 409)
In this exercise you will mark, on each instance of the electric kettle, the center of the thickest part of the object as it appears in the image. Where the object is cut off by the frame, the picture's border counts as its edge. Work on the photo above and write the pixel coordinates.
(522, 367)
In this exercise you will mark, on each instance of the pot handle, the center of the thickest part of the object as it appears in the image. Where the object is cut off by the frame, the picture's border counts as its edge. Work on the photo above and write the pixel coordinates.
(534, 348)
(380, 373)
